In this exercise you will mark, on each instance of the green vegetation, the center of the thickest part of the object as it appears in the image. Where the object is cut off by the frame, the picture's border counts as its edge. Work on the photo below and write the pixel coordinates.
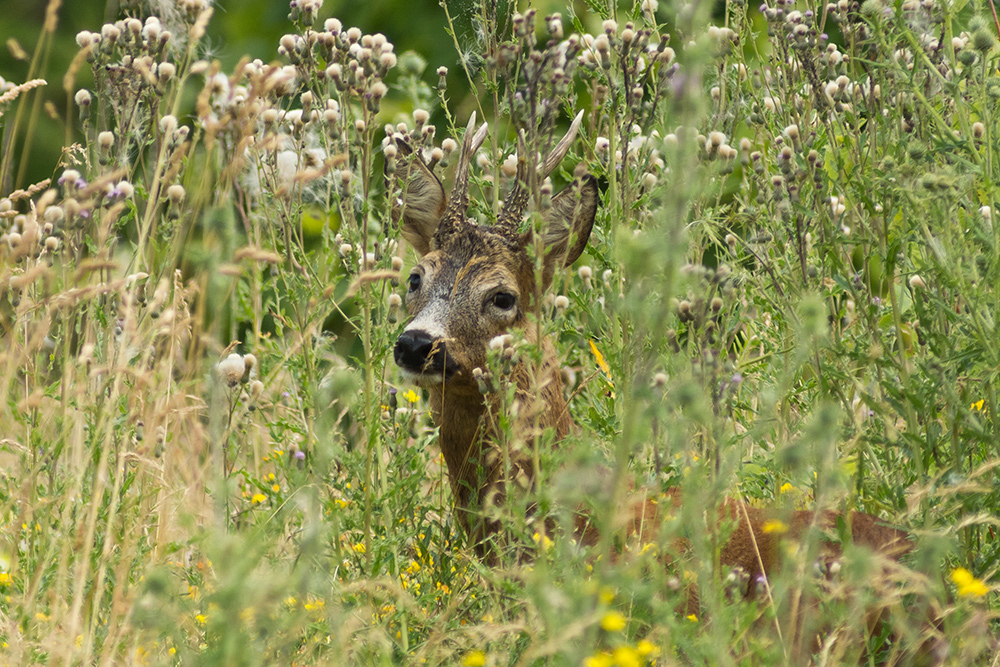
(790, 297)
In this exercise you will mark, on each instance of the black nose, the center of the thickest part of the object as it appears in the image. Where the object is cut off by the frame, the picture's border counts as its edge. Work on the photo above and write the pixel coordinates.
(418, 352)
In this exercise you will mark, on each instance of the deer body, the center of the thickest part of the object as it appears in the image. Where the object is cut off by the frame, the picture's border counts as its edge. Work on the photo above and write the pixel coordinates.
(475, 283)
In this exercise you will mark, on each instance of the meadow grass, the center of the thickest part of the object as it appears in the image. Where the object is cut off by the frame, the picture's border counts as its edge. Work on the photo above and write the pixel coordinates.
(790, 297)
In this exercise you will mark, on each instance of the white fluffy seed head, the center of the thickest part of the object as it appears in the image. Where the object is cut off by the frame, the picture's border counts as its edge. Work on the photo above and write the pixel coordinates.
(231, 369)
(509, 167)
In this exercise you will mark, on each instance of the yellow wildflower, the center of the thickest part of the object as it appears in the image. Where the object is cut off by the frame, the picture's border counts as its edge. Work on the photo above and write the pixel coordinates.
(602, 659)
(411, 396)
(258, 498)
(626, 656)
(978, 405)
(599, 358)
(647, 648)
(359, 548)
(692, 618)
(4, 578)
(201, 619)
(601, 363)
(613, 621)
(607, 594)
(968, 585)
(276, 488)
(474, 659)
(542, 540)
(786, 487)
(775, 526)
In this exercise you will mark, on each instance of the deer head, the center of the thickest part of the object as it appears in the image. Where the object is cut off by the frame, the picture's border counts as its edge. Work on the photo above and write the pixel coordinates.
(476, 282)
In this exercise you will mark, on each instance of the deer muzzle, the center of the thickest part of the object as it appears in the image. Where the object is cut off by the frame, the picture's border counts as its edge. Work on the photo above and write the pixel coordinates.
(420, 353)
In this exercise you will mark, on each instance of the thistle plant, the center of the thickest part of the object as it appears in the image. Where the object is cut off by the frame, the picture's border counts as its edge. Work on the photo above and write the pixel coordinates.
(789, 297)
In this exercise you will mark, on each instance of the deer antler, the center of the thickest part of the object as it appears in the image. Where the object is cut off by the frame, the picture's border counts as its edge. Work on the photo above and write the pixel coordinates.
(516, 201)
(459, 203)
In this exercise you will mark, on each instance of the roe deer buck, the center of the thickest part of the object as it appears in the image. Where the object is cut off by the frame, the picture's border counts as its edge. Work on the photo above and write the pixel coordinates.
(474, 283)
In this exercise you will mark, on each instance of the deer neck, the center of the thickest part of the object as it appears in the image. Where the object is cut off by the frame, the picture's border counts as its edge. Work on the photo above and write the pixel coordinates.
(469, 433)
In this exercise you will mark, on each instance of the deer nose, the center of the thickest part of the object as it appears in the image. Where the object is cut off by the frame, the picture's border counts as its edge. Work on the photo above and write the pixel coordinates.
(417, 351)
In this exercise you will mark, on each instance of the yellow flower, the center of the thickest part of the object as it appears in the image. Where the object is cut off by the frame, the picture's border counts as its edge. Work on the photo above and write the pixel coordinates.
(474, 659)
(258, 498)
(775, 526)
(646, 647)
(602, 659)
(340, 502)
(626, 656)
(601, 363)
(411, 396)
(968, 585)
(613, 621)
(4, 578)
(786, 487)
(359, 548)
(276, 488)
(978, 405)
(200, 619)
(607, 594)
(692, 618)
(542, 540)
(599, 358)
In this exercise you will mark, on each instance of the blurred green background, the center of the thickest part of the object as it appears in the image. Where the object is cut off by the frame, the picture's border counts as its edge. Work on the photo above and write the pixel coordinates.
(238, 27)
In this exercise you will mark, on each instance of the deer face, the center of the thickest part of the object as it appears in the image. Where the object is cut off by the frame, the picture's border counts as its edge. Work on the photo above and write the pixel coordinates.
(474, 283)
(461, 296)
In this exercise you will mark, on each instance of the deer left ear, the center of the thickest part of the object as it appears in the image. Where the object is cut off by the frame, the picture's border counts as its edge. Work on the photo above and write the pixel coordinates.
(568, 224)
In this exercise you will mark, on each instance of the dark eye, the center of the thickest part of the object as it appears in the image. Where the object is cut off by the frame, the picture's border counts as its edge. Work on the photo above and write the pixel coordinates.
(414, 282)
(504, 300)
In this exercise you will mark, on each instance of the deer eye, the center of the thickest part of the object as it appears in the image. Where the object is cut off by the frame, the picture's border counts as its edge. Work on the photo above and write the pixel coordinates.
(413, 282)
(504, 300)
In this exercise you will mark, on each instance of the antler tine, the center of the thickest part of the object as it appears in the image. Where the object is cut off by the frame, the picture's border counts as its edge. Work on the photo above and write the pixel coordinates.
(471, 144)
(454, 215)
(516, 200)
(560, 150)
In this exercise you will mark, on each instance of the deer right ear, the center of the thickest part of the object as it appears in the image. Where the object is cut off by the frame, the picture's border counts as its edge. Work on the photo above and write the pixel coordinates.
(420, 204)
(568, 223)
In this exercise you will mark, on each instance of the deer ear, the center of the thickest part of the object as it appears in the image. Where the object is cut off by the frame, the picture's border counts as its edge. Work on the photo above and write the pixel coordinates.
(568, 224)
(419, 205)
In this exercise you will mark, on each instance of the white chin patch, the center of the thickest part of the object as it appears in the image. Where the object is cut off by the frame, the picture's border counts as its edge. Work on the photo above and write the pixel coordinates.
(421, 379)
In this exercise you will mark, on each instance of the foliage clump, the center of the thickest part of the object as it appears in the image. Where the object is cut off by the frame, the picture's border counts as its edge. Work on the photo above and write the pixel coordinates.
(789, 297)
